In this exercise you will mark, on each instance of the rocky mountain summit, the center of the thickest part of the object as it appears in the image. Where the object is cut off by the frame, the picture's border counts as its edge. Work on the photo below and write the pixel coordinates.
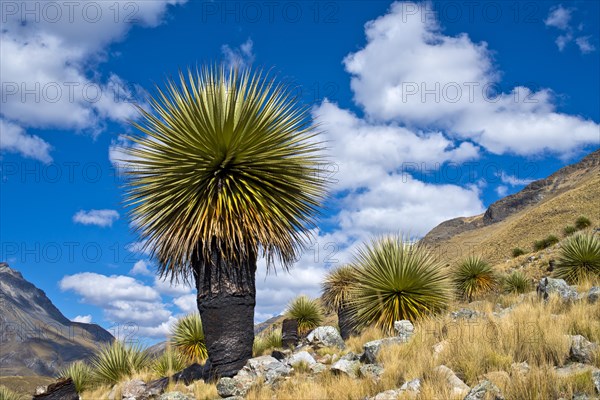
(35, 337)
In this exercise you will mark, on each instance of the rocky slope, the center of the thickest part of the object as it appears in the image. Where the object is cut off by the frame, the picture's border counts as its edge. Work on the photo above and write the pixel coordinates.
(35, 337)
(543, 207)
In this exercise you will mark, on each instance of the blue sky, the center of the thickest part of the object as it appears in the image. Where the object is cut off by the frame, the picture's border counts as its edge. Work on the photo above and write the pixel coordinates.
(432, 111)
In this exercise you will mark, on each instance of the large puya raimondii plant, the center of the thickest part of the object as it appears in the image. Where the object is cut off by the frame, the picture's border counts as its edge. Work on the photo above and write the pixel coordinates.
(224, 169)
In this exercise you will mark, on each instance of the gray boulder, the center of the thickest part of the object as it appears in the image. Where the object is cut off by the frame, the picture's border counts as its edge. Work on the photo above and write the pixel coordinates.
(325, 336)
(174, 396)
(411, 388)
(582, 350)
(465, 313)
(371, 371)
(391, 394)
(318, 368)
(558, 287)
(596, 380)
(484, 390)
(302, 356)
(350, 368)
(458, 387)
(372, 348)
(404, 329)
(593, 295)
(229, 387)
(134, 390)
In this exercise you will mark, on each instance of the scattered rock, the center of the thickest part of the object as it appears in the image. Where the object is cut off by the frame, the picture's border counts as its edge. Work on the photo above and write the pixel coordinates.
(593, 295)
(372, 348)
(133, 390)
(303, 356)
(520, 368)
(268, 367)
(325, 336)
(371, 371)
(174, 396)
(289, 333)
(411, 388)
(229, 387)
(350, 356)
(438, 348)
(194, 372)
(63, 389)
(318, 368)
(459, 388)
(465, 313)
(405, 329)
(573, 369)
(281, 354)
(582, 350)
(484, 390)
(40, 390)
(596, 379)
(326, 359)
(550, 286)
(350, 368)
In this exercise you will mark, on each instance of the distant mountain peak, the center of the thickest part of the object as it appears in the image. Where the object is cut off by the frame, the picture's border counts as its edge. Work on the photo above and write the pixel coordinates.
(36, 338)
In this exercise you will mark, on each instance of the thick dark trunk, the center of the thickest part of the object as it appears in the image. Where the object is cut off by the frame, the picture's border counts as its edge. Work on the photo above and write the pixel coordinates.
(346, 322)
(226, 300)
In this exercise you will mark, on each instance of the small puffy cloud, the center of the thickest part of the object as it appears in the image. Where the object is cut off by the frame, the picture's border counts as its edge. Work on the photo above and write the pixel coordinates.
(102, 218)
(186, 303)
(85, 319)
(585, 45)
(138, 248)
(238, 57)
(559, 17)
(513, 180)
(502, 190)
(141, 268)
(14, 139)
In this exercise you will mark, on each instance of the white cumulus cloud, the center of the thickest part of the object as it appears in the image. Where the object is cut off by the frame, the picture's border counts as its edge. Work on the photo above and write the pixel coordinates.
(86, 319)
(102, 218)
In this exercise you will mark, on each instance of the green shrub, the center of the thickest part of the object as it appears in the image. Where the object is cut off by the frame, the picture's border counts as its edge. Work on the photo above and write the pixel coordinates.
(579, 258)
(187, 338)
(517, 251)
(474, 277)
(517, 283)
(169, 362)
(397, 280)
(582, 222)
(7, 394)
(81, 374)
(569, 230)
(307, 312)
(114, 362)
(266, 341)
(550, 240)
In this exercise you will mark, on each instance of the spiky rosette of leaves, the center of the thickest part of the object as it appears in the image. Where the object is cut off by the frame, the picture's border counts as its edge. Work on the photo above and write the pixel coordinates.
(81, 374)
(474, 277)
(396, 280)
(579, 258)
(117, 361)
(187, 338)
(336, 287)
(169, 362)
(225, 160)
(307, 312)
(517, 283)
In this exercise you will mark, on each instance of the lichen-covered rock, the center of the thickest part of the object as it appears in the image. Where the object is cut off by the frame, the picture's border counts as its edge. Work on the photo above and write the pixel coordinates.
(593, 295)
(549, 286)
(520, 368)
(484, 390)
(133, 390)
(325, 336)
(465, 313)
(596, 380)
(458, 387)
(371, 371)
(404, 329)
(582, 350)
(350, 368)
(229, 387)
(387, 395)
(302, 356)
(572, 369)
(411, 388)
(174, 396)
(372, 348)
(318, 368)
